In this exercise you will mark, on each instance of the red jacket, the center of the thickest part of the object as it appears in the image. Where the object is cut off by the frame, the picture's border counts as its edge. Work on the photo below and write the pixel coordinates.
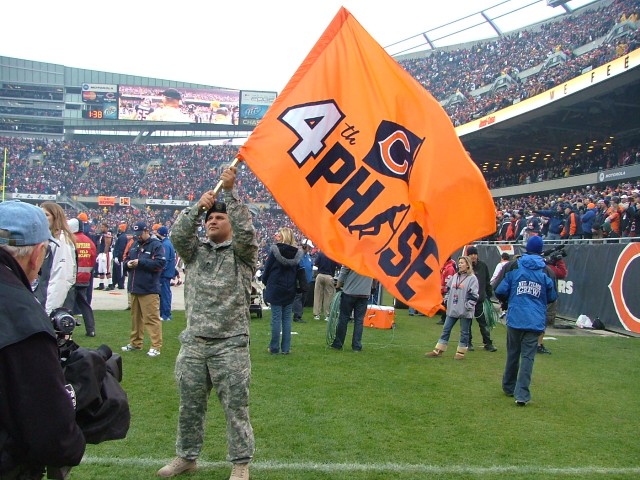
(559, 268)
(86, 252)
(447, 271)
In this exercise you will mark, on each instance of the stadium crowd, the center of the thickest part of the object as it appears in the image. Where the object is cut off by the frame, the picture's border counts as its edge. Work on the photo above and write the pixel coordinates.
(462, 71)
(182, 172)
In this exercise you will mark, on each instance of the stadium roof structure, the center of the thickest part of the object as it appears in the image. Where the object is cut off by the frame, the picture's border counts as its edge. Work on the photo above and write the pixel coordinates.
(594, 108)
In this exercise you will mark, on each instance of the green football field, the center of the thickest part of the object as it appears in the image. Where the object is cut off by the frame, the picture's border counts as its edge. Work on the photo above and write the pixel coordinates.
(388, 411)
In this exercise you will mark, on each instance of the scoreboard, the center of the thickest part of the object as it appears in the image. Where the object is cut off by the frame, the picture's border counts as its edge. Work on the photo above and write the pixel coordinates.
(213, 105)
(100, 112)
(100, 101)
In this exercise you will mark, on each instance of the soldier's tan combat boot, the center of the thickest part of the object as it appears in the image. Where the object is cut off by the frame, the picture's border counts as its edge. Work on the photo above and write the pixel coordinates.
(178, 466)
(240, 471)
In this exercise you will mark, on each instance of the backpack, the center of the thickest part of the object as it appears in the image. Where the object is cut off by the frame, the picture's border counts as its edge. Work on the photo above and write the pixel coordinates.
(597, 324)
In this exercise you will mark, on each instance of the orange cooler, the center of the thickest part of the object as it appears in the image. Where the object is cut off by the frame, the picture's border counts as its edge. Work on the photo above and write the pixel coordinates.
(380, 317)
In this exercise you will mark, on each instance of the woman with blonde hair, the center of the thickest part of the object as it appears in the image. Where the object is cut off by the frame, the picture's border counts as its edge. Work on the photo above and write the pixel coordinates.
(283, 277)
(461, 297)
(58, 273)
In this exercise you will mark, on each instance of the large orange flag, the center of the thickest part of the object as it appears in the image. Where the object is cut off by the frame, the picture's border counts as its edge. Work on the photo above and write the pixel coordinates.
(368, 165)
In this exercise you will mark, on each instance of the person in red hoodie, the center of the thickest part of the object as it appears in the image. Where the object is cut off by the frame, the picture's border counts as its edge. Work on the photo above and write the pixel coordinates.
(447, 271)
(86, 252)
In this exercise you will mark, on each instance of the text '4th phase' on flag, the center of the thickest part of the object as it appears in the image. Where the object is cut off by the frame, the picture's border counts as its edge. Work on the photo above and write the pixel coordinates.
(368, 165)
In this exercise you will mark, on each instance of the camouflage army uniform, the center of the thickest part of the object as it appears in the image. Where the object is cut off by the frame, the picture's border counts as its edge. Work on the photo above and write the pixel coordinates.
(215, 344)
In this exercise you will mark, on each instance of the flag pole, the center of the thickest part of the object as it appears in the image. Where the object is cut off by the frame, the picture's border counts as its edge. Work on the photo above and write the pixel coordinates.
(217, 188)
(4, 173)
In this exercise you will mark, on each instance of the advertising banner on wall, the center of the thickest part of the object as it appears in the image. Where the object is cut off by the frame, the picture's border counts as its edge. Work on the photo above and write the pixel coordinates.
(253, 106)
(105, 201)
(100, 101)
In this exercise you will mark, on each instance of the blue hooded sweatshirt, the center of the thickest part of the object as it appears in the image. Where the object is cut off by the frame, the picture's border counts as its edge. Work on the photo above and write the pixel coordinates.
(528, 289)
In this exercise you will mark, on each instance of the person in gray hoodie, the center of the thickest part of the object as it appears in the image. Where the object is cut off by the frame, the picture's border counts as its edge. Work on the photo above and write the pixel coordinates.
(356, 290)
(461, 297)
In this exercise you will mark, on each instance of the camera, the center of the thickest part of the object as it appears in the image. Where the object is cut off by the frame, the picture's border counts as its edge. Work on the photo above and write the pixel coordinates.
(63, 322)
(554, 254)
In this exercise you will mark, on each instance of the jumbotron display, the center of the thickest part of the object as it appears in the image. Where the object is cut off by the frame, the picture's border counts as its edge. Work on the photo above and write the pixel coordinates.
(188, 105)
(178, 105)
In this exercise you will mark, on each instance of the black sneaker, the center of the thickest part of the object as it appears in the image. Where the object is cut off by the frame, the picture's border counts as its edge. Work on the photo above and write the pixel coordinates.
(542, 349)
(490, 348)
(441, 322)
(520, 403)
(470, 348)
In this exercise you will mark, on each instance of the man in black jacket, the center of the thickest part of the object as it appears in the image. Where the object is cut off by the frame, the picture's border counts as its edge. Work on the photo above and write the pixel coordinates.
(37, 416)
(481, 271)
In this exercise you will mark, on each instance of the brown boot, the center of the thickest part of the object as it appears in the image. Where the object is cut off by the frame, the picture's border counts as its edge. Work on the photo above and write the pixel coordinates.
(460, 353)
(438, 351)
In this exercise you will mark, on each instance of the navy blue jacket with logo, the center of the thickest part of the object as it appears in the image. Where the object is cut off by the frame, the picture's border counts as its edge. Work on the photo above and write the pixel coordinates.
(145, 278)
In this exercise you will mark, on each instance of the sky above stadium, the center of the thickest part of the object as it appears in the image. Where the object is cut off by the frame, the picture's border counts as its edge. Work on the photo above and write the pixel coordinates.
(238, 44)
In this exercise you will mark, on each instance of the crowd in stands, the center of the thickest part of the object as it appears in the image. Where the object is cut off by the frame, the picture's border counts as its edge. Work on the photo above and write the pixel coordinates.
(564, 166)
(464, 70)
(184, 172)
(611, 212)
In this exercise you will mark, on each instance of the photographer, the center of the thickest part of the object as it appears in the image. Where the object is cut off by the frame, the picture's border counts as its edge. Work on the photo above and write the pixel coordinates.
(37, 416)
(556, 269)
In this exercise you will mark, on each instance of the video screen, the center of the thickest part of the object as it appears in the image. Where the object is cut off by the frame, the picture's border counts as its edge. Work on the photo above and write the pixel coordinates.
(188, 105)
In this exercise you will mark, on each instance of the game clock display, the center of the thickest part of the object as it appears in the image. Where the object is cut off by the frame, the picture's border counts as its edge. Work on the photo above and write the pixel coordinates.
(100, 112)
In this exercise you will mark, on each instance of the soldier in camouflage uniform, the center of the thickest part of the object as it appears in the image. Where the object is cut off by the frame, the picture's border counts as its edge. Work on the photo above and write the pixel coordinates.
(215, 344)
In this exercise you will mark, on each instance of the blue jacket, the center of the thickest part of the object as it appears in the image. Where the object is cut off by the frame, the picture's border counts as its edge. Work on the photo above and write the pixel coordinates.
(145, 278)
(119, 246)
(587, 219)
(307, 264)
(556, 219)
(169, 270)
(528, 289)
(283, 276)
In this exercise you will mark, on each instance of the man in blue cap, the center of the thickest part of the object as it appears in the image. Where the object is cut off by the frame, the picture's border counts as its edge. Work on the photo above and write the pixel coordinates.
(144, 263)
(32, 384)
(528, 290)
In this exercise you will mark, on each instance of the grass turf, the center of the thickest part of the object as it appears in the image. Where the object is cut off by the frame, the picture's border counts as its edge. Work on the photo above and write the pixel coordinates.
(389, 412)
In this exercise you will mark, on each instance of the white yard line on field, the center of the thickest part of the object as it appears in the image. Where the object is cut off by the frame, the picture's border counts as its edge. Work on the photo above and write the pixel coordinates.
(379, 467)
